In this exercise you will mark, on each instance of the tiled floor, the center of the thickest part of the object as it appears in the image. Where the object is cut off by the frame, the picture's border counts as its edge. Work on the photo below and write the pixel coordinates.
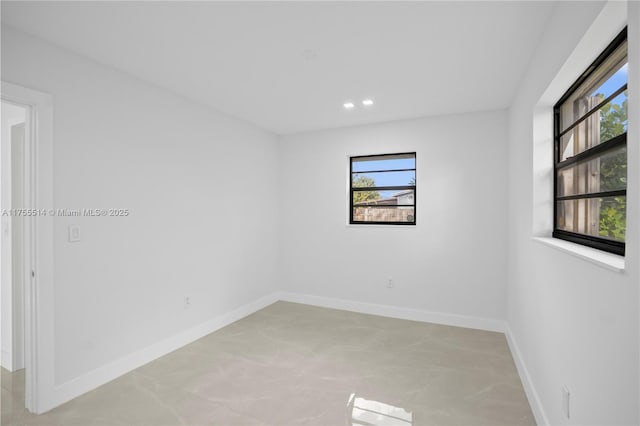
(291, 364)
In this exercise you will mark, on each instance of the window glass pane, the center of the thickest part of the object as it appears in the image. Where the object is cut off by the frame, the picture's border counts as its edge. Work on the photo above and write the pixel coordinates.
(605, 173)
(613, 83)
(383, 214)
(610, 76)
(384, 179)
(387, 198)
(605, 124)
(372, 204)
(598, 217)
(375, 163)
(613, 117)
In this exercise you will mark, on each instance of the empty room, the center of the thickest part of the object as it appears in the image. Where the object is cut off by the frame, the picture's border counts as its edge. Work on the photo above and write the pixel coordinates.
(320, 213)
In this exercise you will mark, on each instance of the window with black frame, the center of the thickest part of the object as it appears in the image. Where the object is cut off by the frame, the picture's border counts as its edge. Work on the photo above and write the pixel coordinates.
(590, 138)
(383, 189)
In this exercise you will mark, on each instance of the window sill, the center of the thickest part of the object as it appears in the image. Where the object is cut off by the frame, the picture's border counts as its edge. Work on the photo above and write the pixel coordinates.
(606, 260)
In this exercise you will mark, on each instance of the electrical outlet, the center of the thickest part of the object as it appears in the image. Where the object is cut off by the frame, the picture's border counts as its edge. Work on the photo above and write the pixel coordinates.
(390, 283)
(565, 401)
(187, 302)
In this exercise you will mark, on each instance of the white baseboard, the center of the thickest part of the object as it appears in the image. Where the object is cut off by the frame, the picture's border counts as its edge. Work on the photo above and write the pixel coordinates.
(527, 383)
(104, 374)
(478, 323)
(437, 318)
(91, 380)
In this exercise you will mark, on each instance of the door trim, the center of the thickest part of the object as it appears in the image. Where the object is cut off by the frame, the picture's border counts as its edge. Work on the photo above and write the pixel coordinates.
(38, 232)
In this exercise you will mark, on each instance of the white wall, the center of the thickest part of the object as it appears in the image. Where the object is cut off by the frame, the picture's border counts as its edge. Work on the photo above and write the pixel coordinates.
(11, 115)
(575, 323)
(452, 261)
(201, 188)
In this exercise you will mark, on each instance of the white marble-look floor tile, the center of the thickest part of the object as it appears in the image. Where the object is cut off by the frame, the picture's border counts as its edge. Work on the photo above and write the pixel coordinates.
(292, 364)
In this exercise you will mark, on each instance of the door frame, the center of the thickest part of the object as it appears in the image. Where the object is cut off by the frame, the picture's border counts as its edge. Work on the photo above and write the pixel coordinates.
(17, 288)
(39, 326)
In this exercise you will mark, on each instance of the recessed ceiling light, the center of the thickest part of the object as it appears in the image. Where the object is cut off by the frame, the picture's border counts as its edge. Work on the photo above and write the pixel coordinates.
(349, 105)
(367, 102)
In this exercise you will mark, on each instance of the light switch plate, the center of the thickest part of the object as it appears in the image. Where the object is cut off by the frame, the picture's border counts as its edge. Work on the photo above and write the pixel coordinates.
(74, 233)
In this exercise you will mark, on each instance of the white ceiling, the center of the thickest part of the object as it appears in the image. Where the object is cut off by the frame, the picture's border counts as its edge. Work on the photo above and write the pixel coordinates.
(289, 66)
